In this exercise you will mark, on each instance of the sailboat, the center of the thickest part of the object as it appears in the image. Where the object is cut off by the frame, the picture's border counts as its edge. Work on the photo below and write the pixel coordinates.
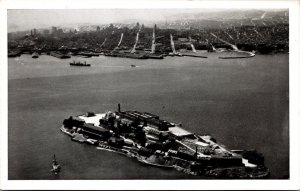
(55, 166)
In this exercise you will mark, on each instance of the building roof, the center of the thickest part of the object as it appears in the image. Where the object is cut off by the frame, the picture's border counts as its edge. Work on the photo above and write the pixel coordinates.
(77, 118)
(95, 128)
(93, 120)
(178, 131)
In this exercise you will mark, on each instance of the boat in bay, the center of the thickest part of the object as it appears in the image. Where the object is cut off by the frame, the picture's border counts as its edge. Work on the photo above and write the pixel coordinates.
(35, 55)
(79, 63)
(55, 166)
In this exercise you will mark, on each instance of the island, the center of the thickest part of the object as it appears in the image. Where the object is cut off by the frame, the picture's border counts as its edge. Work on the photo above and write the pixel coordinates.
(151, 140)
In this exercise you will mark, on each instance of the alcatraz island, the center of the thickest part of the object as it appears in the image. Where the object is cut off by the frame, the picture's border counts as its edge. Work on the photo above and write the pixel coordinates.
(154, 141)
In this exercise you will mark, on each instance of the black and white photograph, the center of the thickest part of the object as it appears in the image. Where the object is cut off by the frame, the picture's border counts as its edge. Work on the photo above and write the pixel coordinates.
(189, 93)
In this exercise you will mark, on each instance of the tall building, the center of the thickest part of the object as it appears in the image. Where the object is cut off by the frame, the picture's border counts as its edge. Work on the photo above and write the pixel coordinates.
(60, 32)
(34, 32)
(46, 32)
(53, 30)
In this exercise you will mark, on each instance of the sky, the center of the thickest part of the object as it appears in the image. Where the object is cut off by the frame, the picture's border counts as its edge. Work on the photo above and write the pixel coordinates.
(25, 19)
(28, 19)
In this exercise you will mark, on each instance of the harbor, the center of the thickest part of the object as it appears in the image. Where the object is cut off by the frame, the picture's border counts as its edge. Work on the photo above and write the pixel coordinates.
(141, 42)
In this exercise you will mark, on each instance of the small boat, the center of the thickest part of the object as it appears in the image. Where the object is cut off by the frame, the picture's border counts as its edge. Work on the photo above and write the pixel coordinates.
(79, 63)
(35, 55)
(133, 66)
(55, 166)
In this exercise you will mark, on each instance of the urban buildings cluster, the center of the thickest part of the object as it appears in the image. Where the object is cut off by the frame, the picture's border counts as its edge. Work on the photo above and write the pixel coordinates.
(261, 36)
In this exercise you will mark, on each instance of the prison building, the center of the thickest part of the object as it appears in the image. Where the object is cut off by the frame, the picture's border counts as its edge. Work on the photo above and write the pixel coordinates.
(94, 131)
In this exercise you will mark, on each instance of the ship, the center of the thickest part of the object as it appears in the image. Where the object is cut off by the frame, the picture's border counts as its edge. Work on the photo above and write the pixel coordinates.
(87, 54)
(35, 55)
(55, 166)
(79, 63)
(157, 142)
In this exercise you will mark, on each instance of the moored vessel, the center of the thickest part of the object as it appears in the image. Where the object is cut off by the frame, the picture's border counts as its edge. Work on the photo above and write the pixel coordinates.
(35, 55)
(79, 63)
(55, 166)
